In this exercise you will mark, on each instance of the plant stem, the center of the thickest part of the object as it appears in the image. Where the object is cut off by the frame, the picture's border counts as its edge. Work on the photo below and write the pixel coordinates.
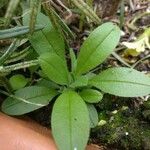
(10, 50)
(81, 23)
(90, 3)
(86, 10)
(34, 6)
(48, 9)
(120, 59)
(122, 10)
(10, 11)
(18, 66)
(18, 56)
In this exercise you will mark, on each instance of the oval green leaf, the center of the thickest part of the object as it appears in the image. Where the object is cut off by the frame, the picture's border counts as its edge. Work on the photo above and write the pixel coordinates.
(18, 81)
(123, 82)
(71, 115)
(91, 96)
(28, 99)
(98, 46)
(93, 115)
(73, 60)
(46, 40)
(54, 67)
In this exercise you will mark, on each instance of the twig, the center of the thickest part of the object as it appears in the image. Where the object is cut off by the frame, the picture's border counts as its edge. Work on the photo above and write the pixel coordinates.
(67, 9)
(131, 24)
(120, 59)
(132, 5)
(86, 10)
(146, 57)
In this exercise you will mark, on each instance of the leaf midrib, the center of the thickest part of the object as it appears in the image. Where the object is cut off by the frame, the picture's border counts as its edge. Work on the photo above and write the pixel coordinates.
(48, 40)
(125, 82)
(70, 121)
(27, 99)
(53, 48)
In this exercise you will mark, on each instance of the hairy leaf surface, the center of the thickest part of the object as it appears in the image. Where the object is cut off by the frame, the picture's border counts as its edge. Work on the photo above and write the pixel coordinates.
(91, 96)
(48, 39)
(54, 67)
(18, 81)
(27, 100)
(122, 81)
(97, 47)
(93, 115)
(70, 113)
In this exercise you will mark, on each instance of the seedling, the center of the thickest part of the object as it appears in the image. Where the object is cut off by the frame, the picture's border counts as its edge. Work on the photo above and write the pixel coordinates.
(75, 90)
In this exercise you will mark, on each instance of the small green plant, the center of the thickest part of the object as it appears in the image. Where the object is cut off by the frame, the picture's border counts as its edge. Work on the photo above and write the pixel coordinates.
(75, 90)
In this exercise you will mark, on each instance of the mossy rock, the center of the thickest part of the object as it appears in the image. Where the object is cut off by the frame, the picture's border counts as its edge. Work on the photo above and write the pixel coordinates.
(125, 132)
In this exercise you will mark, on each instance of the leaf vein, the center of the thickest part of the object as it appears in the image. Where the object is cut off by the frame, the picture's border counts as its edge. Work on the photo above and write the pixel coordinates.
(126, 82)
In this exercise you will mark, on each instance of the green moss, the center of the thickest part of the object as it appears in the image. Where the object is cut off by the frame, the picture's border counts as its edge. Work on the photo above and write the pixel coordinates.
(124, 132)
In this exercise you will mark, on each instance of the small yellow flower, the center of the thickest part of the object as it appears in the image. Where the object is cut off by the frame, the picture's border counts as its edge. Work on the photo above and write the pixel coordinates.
(138, 46)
